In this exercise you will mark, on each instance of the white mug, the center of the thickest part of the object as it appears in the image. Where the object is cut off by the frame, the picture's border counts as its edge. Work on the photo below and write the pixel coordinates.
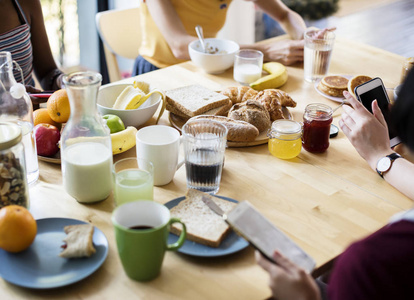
(161, 145)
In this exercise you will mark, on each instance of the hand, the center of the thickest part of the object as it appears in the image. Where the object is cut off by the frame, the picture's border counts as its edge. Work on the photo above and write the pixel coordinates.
(320, 33)
(286, 52)
(287, 280)
(367, 132)
(35, 101)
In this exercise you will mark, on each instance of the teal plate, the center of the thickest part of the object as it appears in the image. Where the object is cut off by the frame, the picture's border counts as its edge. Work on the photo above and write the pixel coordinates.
(231, 244)
(41, 267)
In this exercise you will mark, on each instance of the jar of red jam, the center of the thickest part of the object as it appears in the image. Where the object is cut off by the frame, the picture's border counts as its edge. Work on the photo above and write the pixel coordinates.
(317, 121)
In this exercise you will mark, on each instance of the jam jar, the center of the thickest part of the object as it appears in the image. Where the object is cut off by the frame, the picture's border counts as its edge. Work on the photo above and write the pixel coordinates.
(285, 139)
(317, 121)
(13, 182)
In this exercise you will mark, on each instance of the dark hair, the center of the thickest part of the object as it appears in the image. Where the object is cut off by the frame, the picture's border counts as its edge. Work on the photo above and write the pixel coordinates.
(402, 113)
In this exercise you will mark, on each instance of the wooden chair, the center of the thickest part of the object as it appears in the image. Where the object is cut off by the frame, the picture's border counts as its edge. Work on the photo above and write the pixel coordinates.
(119, 30)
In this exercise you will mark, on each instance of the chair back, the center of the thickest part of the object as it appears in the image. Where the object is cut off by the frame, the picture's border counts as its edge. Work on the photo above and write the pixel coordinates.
(119, 30)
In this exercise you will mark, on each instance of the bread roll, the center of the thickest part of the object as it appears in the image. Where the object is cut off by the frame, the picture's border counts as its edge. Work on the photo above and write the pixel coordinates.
(252, 112)
(239, 94)
(238, 131)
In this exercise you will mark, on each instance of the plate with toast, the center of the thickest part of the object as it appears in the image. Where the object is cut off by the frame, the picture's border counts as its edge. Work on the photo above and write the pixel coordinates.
(245, 112)
(208, 235)
(42, 267)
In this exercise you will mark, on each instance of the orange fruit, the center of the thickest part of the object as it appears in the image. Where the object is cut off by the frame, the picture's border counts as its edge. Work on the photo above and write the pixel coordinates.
(18, 228)
(58, 106)
(41, 115)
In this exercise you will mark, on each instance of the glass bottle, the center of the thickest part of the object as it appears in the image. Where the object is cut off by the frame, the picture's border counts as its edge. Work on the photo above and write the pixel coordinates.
(13, 181)
(316, 127)
(86, 150)
(16, 107)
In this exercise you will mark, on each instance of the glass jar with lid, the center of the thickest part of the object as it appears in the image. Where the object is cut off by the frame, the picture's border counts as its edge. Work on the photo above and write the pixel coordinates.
(13, 182)
(317, 121)
(285, 139)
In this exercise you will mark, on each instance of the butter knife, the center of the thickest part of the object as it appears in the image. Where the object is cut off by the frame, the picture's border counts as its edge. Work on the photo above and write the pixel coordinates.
(214, 207)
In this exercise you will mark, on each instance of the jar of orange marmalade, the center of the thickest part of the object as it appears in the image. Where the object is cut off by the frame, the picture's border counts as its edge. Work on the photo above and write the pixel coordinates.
(316, 127)
(285, 139)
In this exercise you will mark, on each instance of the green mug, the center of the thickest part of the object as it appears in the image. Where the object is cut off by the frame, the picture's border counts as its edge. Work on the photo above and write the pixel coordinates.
(141, 232)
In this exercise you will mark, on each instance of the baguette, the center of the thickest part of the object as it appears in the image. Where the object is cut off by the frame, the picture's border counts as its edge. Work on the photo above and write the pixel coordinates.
(238, 131)
(203, 225)
(194, 100)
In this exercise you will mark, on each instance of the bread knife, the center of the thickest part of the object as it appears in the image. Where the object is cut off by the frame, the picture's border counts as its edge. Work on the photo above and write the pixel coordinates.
(214, 207)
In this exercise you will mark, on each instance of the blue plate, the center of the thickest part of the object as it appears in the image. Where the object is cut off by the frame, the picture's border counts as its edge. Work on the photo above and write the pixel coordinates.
(41, 267)
(231, 244)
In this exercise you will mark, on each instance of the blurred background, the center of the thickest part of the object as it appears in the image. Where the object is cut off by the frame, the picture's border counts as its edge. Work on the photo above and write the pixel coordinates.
(387, 24)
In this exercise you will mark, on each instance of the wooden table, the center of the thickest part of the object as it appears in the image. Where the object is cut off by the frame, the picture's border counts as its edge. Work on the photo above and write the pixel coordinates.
(322, 201)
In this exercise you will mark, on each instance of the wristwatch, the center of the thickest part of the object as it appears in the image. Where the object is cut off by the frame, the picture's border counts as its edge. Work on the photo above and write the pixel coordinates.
(385, 163)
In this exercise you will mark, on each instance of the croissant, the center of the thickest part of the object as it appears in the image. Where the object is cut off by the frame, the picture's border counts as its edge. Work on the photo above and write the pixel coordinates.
(271, 102)
(252, 112)
(239, 94)
(283, 98)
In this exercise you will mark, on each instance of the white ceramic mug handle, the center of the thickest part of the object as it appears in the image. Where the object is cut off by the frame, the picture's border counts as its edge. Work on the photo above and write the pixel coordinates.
(181, 162)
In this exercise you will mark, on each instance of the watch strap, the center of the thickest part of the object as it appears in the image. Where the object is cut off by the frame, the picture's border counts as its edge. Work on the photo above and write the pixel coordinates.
(393, 156)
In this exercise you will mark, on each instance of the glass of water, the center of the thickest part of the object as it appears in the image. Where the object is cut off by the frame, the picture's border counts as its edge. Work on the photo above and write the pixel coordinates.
(318, 51)
(204, 145)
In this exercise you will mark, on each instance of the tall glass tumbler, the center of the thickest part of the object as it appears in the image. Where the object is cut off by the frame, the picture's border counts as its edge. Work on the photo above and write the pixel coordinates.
(204, 145)
(318, 51)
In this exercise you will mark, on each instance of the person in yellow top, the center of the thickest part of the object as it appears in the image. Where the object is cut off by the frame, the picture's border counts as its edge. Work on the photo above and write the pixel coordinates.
(168, 26)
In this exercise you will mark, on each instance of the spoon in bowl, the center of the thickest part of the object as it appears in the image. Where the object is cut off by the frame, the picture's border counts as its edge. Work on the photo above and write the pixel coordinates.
(199, 31)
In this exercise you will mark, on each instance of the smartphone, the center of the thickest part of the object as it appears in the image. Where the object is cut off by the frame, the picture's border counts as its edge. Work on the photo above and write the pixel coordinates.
(374, 89)
(249, 223)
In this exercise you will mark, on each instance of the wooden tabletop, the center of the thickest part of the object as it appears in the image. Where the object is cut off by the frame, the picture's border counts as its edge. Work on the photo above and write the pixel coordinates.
(322, 201)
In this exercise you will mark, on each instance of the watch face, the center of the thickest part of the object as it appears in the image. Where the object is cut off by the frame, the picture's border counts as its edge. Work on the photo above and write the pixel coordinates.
(384, 164)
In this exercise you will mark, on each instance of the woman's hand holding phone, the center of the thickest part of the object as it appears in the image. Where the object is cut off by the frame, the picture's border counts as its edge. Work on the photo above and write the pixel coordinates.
(367, 132)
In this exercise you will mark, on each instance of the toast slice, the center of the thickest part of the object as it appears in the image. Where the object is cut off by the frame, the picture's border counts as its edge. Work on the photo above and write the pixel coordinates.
(194, 100)
(78, 241)
(203, 225)
(218, 111)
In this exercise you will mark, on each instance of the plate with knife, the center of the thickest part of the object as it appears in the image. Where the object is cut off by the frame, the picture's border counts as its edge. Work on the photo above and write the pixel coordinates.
(232, 243)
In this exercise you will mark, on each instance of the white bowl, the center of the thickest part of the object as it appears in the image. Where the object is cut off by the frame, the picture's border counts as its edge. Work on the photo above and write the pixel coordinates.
(213, 63)
(131, 117)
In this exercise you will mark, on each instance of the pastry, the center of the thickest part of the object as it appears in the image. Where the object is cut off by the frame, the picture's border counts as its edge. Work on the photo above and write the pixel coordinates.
(355, 81)
(239, 94)
(252, 112)
(78, 241)
(333, 85)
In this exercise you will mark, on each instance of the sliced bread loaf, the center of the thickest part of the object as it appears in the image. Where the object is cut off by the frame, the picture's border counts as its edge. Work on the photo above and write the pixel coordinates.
(203, 225)
(218, 111)
(194, 100)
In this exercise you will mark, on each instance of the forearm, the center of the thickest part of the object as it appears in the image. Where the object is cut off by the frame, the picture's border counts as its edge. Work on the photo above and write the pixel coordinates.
(290, 21)
(401, 176)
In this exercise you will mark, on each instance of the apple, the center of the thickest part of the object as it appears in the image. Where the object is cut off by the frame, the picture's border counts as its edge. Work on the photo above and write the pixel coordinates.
(114, 123)
(47, 138)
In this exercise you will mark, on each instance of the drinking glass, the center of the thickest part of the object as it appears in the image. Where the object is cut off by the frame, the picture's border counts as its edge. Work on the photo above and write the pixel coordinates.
(133, 180)
(204, 145)
(248, 66)
(318, 50)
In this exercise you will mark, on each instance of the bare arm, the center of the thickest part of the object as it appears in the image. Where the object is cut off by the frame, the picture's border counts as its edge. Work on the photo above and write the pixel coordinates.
(171, 27)
(368, 133)
(290, 21)
(43, 62)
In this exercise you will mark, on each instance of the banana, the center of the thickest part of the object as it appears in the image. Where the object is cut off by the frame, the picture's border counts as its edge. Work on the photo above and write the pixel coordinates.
(277, 77)
(123, 140)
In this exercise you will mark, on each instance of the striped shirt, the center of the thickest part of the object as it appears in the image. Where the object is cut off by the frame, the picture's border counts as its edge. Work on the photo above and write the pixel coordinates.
(17, 42)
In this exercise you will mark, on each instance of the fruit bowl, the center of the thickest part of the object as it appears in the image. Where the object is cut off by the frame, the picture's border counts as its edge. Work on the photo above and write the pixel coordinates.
(131, 117)
(218, 60)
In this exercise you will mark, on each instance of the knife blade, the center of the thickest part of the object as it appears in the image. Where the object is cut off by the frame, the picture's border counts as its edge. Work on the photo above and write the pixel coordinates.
(213, 206)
